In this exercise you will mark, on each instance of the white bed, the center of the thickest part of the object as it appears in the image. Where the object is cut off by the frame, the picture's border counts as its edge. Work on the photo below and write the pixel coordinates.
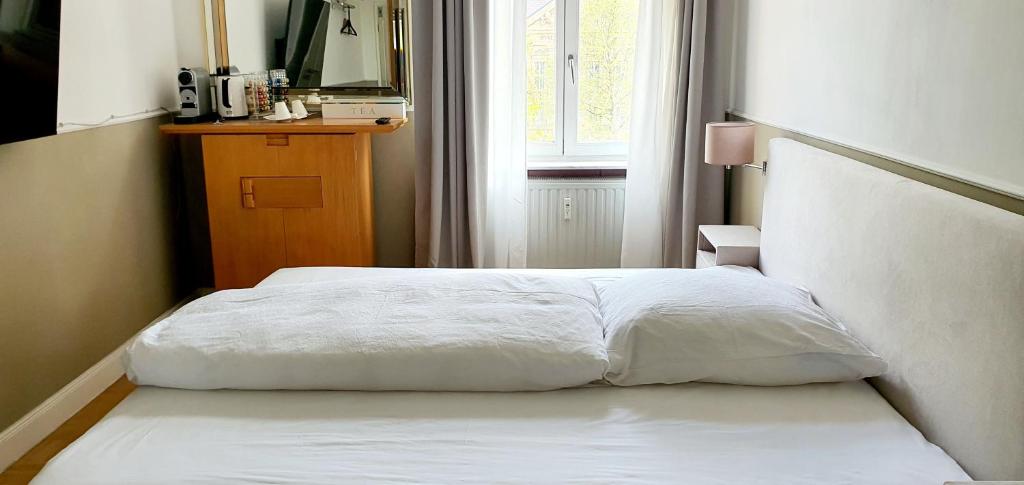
(687, 433)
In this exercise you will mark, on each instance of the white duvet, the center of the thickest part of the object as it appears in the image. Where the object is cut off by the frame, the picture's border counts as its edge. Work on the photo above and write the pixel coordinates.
(453, 332)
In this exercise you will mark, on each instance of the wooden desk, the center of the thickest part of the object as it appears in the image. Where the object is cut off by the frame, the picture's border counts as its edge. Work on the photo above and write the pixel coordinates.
(286, 194)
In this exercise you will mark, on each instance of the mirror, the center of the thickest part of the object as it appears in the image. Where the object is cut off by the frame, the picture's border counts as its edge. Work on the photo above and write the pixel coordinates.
(331, 46)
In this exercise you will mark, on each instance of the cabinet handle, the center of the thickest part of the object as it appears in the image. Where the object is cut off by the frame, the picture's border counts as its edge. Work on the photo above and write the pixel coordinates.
(277, 140)
(289, 192)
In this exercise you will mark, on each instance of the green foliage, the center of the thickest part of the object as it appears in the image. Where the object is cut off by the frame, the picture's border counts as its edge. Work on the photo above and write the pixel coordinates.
(607, 45)
(605, 71)
(540, 75)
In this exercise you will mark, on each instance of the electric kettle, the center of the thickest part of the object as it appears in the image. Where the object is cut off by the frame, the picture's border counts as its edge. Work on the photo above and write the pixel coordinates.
(231, 97)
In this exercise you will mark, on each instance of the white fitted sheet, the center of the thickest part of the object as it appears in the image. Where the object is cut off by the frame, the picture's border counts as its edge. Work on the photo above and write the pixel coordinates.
(689, 433)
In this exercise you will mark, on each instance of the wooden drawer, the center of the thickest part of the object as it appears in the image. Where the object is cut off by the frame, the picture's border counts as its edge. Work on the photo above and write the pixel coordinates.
(280, 201)
(282, 192)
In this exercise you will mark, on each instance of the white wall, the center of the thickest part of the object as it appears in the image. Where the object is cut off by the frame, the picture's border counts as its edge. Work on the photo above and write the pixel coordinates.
(195, 47)
(350, 59)
(252, 26)
(118, 58)
(934, 83)
(377, 28)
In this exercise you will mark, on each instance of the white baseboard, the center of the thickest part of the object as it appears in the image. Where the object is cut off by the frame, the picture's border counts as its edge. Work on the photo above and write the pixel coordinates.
(28, 431)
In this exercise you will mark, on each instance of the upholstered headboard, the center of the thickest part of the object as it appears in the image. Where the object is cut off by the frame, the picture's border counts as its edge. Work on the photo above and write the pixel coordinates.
(932, 281)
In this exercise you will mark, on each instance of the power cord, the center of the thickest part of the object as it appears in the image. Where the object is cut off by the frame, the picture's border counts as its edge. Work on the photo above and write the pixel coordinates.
(110, 118)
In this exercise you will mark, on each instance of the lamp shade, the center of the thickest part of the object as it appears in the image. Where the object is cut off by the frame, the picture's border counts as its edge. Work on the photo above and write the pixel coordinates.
(729, 143)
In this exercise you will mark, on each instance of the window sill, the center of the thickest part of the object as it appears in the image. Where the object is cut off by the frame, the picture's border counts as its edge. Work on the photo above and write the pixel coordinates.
(589, 167)
(575, 172)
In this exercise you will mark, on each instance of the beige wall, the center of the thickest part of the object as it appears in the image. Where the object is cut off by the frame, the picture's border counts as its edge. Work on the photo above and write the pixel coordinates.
(748, 185)
(87, 247)
(86, 256)
(394, 195)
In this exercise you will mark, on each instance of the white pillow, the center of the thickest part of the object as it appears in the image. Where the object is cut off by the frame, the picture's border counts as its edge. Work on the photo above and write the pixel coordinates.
(724, 324)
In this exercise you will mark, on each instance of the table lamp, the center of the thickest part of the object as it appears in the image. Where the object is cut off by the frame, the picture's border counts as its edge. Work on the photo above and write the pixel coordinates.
(731, 143)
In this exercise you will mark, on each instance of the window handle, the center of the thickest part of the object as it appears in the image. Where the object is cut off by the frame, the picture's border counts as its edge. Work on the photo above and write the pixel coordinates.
(572, 68)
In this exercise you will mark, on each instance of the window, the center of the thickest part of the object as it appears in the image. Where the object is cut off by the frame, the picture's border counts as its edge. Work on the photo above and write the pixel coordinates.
(580, 56)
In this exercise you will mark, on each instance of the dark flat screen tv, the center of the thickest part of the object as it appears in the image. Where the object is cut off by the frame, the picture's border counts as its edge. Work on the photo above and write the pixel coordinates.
(29, 58)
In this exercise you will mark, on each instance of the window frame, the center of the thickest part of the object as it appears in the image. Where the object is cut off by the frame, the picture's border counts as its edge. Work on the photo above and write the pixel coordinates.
(566, 151)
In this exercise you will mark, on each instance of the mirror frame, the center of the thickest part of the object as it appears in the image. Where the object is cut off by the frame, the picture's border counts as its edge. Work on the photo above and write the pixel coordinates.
(401, 36)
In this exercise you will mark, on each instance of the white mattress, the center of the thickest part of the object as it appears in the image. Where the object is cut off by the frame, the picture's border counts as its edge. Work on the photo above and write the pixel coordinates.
(692, 433)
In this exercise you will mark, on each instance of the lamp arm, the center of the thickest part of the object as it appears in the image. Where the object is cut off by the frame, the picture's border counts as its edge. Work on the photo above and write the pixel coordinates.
(763, 167)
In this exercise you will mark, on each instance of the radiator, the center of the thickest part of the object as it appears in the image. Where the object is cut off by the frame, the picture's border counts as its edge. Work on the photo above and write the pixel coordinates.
(575, 223)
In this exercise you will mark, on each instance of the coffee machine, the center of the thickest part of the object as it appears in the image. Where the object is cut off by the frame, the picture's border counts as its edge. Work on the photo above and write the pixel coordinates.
(194, 92)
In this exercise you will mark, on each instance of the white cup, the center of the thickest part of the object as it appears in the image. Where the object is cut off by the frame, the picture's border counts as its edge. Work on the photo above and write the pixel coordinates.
(313, 99)
(299, 110)
(281, 110)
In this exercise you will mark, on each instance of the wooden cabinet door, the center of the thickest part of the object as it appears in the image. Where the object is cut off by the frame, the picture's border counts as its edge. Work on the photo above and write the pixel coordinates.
(280, 201)
(247, 244)
(340, 233)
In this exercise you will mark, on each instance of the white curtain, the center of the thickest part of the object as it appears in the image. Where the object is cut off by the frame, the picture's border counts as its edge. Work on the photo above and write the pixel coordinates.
(659, 228)
(476, 178)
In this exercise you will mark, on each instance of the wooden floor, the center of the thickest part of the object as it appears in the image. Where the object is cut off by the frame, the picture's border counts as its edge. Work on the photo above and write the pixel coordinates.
(28, 466)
